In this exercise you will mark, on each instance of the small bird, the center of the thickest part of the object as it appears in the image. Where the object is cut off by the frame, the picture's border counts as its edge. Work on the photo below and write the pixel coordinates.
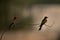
(43, 22)
(10, 26)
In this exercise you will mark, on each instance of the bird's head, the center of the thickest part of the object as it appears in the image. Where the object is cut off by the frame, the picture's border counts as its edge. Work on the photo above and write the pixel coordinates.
(14, 18)
(46, 17)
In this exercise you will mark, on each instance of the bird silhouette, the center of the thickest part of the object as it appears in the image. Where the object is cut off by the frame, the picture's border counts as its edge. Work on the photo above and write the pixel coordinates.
(10, 26)
(43, 22)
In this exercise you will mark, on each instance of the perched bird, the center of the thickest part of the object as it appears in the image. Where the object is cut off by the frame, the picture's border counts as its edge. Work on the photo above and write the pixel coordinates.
(10, 26)
(43, 22)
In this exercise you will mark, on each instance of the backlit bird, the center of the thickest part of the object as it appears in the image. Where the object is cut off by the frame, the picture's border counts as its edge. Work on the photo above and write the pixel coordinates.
(43, 22)
(10, 26)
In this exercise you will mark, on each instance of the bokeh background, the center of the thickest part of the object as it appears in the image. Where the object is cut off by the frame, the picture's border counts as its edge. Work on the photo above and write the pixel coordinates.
(29, 15)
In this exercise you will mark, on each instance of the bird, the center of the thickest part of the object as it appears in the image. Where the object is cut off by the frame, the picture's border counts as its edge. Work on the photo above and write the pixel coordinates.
(10, 26)
(43, 22)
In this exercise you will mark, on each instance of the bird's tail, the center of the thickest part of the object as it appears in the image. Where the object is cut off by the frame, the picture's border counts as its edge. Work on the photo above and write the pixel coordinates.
(10, 26)
(40, 27)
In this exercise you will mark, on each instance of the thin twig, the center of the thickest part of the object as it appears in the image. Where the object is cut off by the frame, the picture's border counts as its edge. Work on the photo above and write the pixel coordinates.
(2, 35)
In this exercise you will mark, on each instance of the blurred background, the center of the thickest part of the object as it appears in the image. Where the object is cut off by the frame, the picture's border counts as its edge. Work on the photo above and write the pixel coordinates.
(29, 15)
